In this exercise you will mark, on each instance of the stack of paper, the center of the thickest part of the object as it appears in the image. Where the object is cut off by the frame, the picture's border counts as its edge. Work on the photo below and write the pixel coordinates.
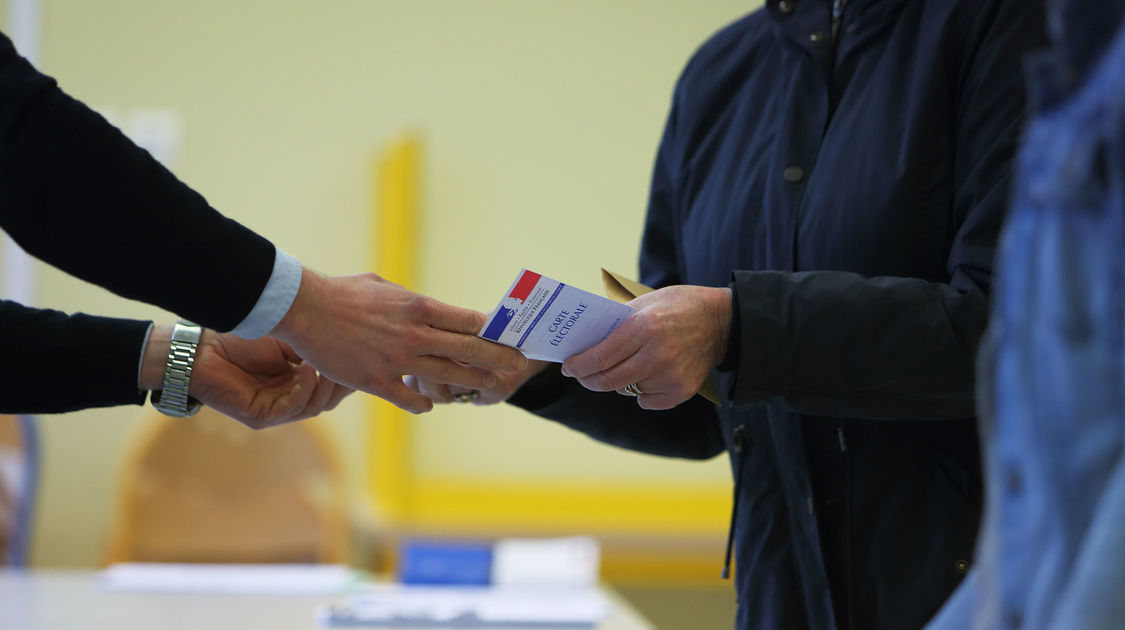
(571, 561)
(507, 606)
(286, 579)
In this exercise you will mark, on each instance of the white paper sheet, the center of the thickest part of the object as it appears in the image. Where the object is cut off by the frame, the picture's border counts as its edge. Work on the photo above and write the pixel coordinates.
(287, 579)
(571, 561)
(456, 607)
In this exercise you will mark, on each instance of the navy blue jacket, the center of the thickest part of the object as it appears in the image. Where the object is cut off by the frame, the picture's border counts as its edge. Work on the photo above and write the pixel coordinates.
(848, 182)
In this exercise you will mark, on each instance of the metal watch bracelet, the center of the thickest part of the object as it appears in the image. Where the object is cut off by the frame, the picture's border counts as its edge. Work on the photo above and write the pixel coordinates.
(173, 399)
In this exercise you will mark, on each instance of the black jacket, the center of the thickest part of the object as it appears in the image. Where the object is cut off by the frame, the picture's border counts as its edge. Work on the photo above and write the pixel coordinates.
(79, 195)
(849, 189)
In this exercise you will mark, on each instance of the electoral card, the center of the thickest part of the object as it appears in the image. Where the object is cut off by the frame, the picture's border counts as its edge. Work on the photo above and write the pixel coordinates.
(550, 321)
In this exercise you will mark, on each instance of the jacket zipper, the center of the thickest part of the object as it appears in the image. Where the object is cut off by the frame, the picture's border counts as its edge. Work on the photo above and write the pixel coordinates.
(738, 440)
(847, 507)
(837, 15)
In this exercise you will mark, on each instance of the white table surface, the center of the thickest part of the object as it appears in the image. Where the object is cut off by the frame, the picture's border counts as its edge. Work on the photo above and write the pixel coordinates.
(54, 599)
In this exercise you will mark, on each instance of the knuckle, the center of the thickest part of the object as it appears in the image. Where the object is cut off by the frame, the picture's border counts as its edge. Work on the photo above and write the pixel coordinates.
(599, 359)
(472, 321)
(414, 338)
(602, 382)
(376, 386)
(648, 321)
(421, 305)
(471, 347)
(448, 371)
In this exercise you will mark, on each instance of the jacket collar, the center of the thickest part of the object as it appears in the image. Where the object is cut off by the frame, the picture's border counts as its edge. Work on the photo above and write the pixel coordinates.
(808, 24)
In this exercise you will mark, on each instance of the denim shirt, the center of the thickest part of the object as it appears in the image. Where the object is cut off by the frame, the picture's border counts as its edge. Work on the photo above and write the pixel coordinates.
(1052, 550)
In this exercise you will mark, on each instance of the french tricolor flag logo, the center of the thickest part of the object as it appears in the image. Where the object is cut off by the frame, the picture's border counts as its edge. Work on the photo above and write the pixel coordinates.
(508, 307)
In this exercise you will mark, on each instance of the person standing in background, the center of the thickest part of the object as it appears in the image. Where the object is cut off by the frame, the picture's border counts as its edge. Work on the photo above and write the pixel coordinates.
(1052, 367)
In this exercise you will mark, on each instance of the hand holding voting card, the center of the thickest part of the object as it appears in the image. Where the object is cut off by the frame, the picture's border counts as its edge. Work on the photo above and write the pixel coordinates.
(550, 321)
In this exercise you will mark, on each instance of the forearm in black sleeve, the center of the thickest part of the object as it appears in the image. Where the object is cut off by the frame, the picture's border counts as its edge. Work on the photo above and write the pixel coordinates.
(52, 362)
(78, 194)
(690, 430)
(836, 343)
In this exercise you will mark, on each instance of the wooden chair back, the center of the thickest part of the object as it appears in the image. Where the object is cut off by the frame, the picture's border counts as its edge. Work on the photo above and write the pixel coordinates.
(207, 489)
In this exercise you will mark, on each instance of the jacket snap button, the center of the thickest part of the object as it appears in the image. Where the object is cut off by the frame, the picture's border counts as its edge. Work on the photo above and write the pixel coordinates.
(785, 6)
(816, 37)
(793, 174)
(961, 567)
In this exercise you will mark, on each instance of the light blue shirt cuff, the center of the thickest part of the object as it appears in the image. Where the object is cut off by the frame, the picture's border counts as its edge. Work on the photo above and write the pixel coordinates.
(276, 298)
(141, 359)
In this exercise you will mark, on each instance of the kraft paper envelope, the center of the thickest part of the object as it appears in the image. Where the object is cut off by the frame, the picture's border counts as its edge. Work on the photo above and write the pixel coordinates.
(622, 289)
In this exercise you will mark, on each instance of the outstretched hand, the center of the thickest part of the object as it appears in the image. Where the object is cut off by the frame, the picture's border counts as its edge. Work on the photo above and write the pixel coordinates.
(367, 333)
(507, 383)
(259, 382)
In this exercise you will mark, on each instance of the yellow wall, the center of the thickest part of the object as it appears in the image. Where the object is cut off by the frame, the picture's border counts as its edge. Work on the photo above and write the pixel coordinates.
(539, 122)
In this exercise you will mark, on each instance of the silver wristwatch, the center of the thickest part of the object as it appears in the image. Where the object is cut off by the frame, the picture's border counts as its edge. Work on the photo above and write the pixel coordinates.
(173, 400)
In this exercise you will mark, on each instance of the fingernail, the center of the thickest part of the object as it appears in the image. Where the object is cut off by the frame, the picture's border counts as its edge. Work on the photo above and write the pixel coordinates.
(489, 381)
(565, 372)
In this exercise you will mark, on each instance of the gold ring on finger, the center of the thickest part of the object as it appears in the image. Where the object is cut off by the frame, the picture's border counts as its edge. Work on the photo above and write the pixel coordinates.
(467, 397)
(632, 389)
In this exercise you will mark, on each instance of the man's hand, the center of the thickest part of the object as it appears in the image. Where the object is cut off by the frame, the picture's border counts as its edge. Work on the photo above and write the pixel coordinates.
(259, 382)
(507, 383)
(366, 333)
(666, 348)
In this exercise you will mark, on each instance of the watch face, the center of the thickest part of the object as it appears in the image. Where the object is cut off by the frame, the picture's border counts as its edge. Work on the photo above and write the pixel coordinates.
(186, 332)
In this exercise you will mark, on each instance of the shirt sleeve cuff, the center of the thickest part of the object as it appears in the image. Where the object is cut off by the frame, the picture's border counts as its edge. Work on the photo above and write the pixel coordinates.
(141, 358)
(275, 300)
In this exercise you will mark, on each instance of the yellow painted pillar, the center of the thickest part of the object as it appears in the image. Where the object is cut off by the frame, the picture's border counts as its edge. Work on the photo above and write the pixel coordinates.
(397, 206)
